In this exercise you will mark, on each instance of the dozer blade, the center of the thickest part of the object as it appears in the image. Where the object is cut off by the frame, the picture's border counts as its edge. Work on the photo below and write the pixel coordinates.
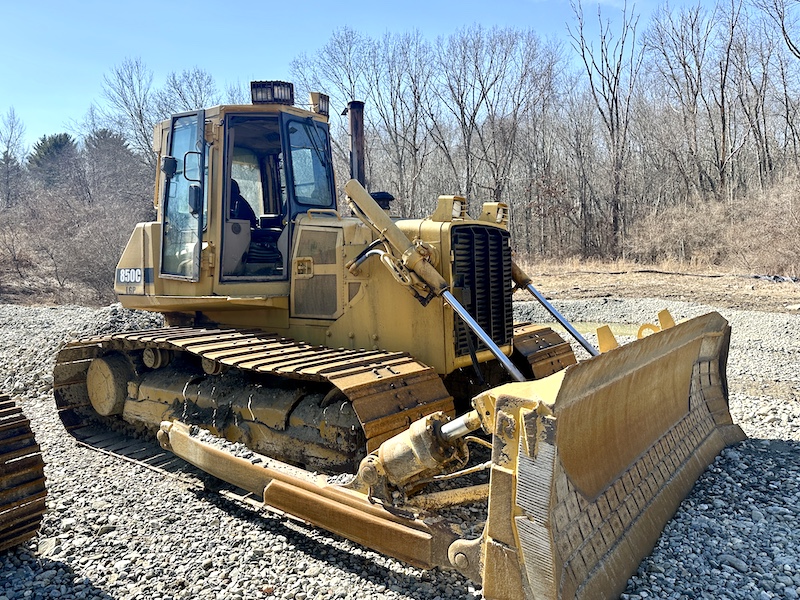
(590, 463)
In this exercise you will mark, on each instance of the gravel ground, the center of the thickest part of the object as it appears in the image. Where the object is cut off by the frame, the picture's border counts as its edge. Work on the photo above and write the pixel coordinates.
(117, 530)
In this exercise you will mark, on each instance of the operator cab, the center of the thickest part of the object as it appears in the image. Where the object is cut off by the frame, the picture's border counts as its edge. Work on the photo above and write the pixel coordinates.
(275, 163)
(281, 166)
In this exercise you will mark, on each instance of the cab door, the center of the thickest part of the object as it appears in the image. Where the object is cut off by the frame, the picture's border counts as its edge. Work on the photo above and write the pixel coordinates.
(184, 201)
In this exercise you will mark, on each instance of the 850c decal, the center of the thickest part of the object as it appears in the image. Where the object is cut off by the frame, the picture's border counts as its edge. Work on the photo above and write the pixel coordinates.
(132, 280)
(129, 276)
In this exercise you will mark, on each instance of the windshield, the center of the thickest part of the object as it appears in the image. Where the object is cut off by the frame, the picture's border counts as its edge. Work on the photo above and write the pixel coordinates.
(311, 171)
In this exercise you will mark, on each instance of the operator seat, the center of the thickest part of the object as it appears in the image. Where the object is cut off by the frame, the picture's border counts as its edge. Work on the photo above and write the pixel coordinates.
(240, 208)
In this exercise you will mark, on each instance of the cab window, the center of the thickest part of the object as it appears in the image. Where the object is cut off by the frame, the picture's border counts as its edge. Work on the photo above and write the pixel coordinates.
(246, 171)
(184, 204)
(310, 168)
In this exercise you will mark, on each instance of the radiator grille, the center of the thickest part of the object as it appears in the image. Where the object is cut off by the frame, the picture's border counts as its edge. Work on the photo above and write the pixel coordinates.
(482, 275)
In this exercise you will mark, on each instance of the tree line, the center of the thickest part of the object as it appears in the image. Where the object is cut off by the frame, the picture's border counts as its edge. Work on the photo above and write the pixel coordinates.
(66, 211)
(69, 204)
(675, 139)
(671, 139)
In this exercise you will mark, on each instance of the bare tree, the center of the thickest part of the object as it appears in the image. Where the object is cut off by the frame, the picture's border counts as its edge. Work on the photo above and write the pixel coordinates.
(579, 129)
(784, 14)
(719, 101)
(349, 70)
(12, 133)
(399, 84)
(537, 190)
(787, 100)
(191, 89)
(679, 49)
(134, 106)
(131, 105)
(516, 82)
(459, 59)
(339, 69)
(753, 52)
(237, 93)
(13, 244)
(612, 69)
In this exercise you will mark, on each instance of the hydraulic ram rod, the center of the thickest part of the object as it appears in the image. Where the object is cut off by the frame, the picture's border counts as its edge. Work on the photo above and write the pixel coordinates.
(484, 337)
(522, 280)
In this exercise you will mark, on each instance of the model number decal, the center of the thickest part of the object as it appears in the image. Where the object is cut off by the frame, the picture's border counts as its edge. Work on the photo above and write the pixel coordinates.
(129, 275)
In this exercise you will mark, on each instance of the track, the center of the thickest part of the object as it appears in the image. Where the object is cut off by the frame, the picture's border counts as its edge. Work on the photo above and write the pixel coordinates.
(388, 390)
(22, 481)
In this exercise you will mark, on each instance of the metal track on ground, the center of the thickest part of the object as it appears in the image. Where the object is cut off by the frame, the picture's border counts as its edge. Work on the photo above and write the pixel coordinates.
(22, 481)
(388, 390)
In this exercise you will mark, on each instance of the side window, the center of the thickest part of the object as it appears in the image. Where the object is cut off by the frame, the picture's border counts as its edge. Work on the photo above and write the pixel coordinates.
(184, 199)
(310, 164)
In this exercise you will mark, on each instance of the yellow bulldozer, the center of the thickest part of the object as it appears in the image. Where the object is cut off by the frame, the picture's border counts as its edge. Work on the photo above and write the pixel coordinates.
(373, 367)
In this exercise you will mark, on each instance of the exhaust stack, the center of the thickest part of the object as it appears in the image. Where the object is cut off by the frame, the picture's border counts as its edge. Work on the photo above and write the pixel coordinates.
(355, 111)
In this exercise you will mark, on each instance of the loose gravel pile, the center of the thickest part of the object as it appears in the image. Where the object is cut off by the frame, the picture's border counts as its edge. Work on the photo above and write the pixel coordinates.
(118, 530)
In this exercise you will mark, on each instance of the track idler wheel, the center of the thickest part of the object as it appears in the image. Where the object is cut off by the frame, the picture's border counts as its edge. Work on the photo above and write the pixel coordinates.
(107, 383)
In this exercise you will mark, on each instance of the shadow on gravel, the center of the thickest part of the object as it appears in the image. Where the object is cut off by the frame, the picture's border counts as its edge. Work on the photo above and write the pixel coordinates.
(735, 535)
(21, 571)
(780, 447)
(320, 545)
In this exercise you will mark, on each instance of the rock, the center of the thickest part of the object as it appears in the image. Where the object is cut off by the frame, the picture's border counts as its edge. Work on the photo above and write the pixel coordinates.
(48, 545)
(732, 561)
(121, 565)
(104, 529)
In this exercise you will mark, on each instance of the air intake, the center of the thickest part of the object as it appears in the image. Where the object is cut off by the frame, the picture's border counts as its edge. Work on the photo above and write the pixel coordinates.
(482, 274)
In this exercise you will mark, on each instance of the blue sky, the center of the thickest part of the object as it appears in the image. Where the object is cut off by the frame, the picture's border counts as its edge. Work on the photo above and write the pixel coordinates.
(56, 53)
